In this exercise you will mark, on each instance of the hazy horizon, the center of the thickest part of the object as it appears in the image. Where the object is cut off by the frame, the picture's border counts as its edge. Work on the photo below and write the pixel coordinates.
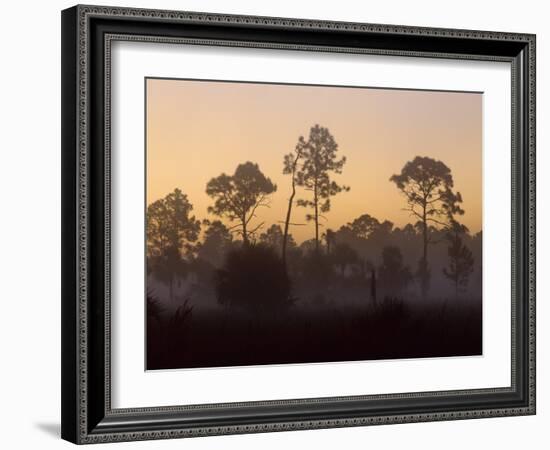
(197, 130)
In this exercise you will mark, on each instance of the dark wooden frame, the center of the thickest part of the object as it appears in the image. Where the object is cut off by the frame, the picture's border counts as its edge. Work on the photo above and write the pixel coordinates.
(87, 32)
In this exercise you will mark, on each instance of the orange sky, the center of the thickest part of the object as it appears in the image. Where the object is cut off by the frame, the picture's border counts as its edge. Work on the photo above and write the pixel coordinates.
(196, 130)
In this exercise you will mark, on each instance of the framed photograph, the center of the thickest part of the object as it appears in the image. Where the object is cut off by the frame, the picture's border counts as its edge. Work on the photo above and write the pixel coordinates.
(279, 224)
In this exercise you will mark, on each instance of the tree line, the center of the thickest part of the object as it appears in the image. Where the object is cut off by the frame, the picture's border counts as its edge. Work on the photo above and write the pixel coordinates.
(426, 185)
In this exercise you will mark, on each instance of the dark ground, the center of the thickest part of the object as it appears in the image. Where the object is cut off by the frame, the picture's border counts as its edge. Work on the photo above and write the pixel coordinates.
(225, 337)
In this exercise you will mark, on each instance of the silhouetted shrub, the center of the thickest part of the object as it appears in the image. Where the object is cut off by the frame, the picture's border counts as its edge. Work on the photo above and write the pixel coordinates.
(181, 316)
(394, 276)
(342, 256)
(254, 278)
(317, 268)
(154, 307)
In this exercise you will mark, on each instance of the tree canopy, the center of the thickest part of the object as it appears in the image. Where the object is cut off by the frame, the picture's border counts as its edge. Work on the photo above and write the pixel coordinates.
(217, 241)
(365, 226)
(238, 196)
(273, 237)
(427, 185)
(170, 225)
(319, 159)
(171, 233)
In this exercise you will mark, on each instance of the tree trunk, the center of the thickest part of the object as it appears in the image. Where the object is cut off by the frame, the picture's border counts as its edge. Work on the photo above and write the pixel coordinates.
(289, 211)
(285, 233)
(245, 234)
(424, 262)
(316, 203)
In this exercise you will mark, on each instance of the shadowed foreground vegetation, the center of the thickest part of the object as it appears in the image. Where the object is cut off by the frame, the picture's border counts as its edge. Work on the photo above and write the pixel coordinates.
(388, 331)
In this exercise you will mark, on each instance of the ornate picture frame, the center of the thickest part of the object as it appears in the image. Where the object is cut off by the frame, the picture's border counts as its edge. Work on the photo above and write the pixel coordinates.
(88, 33)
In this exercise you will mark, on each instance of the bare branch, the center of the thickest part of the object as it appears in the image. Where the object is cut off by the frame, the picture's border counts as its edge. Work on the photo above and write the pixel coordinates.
(238, 225)
(431, 219)
(257, 228)
(290, 223)
(258, 204)
(413, 212)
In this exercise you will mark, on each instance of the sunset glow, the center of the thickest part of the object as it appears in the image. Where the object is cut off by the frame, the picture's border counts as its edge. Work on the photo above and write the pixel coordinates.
(197, 130)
